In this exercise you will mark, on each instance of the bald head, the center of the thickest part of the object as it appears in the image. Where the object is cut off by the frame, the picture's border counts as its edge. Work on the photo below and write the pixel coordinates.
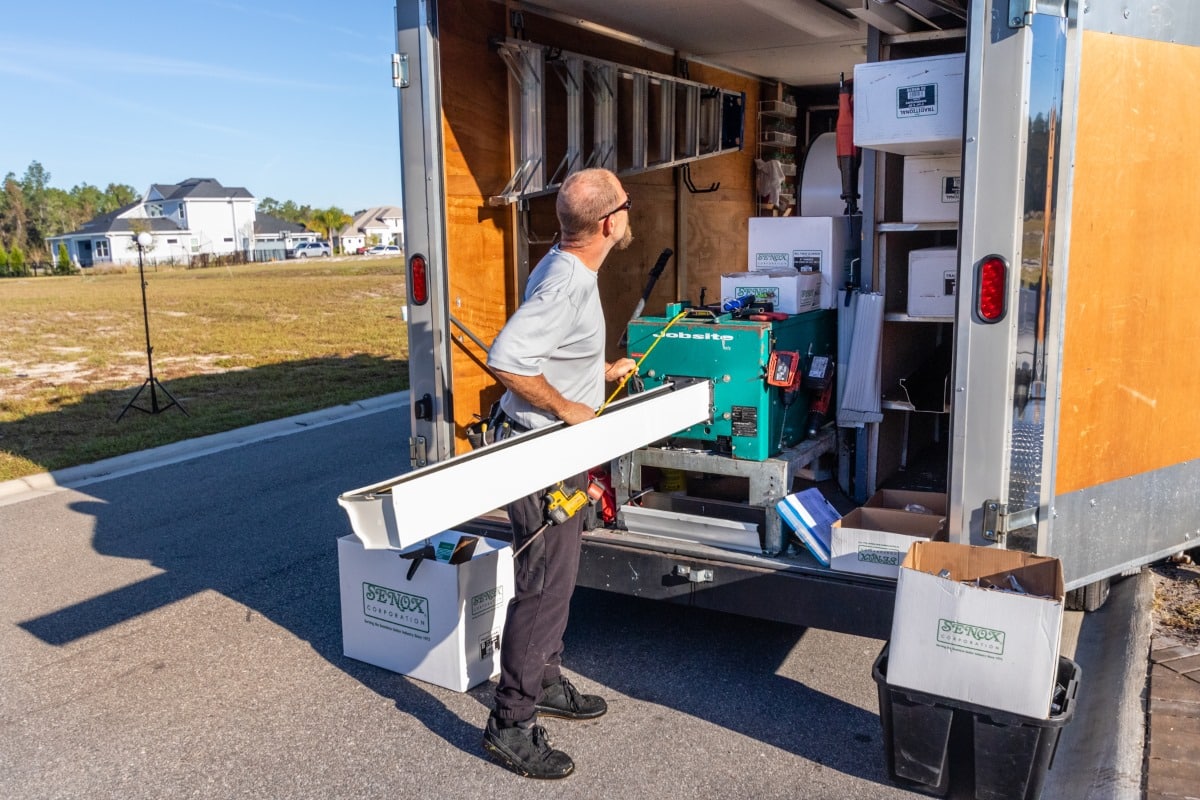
(584, 198)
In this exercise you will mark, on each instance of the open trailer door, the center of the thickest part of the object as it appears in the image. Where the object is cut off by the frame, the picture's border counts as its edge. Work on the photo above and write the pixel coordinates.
(1083, 385)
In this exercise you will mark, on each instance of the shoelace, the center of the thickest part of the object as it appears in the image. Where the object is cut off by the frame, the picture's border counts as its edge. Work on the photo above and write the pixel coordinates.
(541, 739)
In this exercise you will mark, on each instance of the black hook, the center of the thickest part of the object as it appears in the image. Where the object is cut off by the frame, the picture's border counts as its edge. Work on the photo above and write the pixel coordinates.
(691, 187)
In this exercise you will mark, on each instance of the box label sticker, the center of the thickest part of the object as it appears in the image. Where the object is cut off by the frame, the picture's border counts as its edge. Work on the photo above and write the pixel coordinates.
(916, 101)
(761, 294)
(768, 261)
(486, 601)
(399, 608)
(806, 260)
(489, 645)
(949, 279)
(886, 554)
(964, 637)
(951, 188)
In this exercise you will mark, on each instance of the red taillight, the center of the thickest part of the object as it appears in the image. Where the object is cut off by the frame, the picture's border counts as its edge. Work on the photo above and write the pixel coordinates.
(991, 289)
(418, 280)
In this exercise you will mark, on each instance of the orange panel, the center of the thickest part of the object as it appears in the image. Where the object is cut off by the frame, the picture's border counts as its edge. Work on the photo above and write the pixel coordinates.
(1131, 347)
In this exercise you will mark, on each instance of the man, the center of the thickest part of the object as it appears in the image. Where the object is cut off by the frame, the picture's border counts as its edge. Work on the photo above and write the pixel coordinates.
(550, 358)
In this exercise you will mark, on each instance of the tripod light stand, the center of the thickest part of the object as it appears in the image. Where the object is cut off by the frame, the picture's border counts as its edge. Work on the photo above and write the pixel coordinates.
(143, 241)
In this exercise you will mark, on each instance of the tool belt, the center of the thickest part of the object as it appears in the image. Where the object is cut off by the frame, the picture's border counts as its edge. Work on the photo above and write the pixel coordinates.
(496, 428)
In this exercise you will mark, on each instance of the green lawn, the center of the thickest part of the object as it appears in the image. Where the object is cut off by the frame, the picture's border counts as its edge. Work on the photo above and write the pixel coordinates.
(234, 345)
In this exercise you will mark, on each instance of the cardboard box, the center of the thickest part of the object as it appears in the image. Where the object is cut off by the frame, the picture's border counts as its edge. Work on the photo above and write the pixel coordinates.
(910, 106)
(786, 290)
(874, 541)
(901, 499)
(441, 624)
(994, 648)
(932, 188)
(932, 281)
(802, 244)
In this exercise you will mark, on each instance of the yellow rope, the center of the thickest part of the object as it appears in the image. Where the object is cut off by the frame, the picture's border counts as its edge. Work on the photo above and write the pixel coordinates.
(634, 371)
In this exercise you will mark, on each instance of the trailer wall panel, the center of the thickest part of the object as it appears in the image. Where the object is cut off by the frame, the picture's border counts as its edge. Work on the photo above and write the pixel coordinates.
(1130, 382)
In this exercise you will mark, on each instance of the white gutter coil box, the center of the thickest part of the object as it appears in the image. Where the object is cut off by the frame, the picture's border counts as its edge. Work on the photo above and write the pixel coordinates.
(432, 620)
(408, 509)
(910, 106)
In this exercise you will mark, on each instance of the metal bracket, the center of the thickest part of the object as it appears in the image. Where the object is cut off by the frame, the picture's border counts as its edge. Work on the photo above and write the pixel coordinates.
(417, 453)
(1020, 12)
(400, 70)
(999, 521)
(693, 575)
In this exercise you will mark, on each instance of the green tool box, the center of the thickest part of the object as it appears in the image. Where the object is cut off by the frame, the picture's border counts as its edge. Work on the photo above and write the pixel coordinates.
(750, 420)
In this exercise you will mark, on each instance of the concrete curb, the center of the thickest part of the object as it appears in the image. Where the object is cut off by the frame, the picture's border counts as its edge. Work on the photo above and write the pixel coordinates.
(1109, 727)
(19, 489)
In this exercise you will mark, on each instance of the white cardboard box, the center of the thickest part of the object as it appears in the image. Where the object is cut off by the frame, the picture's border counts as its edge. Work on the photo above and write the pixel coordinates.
(873, 541)
(802, 243)
(932, 188)
(441, 626)
(932, 281)
(786, 290)
(910, 106)
(993, 648)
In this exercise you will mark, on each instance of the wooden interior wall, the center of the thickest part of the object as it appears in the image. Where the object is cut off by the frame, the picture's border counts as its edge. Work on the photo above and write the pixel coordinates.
(1130, 383)
(482, 273)
(477, 159)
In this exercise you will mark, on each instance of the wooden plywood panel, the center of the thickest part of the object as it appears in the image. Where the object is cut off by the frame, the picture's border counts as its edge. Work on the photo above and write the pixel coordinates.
(477, 164)
(1130, 381)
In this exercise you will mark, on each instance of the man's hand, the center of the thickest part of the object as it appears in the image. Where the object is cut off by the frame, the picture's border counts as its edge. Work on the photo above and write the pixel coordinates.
(574, 413)
(619, 369)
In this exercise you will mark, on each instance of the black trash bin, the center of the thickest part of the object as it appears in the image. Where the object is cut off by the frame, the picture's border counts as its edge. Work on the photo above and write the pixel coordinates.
(1009, 754)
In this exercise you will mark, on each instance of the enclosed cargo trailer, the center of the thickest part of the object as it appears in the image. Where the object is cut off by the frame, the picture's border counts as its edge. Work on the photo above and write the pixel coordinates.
(1054, 404)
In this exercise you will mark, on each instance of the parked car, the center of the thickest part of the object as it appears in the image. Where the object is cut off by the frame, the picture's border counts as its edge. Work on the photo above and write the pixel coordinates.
(384, 249)
(310, 249)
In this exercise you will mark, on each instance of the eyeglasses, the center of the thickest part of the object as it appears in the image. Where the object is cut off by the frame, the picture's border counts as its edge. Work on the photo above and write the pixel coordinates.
(628, 204)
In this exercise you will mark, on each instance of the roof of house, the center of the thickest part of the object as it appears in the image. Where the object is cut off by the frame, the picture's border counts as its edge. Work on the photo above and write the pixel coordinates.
(113, 222)
(371, 218)
(265, 224)
(197, 189)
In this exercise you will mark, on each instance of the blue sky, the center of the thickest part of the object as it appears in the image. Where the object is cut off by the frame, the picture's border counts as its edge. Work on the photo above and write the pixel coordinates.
(291, 99)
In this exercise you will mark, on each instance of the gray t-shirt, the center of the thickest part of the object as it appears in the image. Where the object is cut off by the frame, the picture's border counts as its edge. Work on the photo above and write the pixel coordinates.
(557, 332)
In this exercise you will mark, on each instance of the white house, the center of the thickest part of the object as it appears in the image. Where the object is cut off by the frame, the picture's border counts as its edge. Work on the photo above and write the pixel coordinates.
(195, 218)
(379, 225)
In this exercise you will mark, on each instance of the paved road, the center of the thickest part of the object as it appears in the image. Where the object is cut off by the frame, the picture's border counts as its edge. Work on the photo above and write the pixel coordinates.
(172, 630)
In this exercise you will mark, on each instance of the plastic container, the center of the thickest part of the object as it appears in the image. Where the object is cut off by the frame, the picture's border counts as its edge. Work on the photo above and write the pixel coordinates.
(926, 737)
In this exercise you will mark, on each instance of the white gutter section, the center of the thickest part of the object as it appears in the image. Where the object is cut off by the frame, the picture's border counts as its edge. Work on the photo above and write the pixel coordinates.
(408, 509)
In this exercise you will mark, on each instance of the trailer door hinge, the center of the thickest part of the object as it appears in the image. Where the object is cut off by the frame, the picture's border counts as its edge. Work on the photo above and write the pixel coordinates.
(417, 454)
(999, 521)
(693, 575)
(400, 70)
(1020, 12)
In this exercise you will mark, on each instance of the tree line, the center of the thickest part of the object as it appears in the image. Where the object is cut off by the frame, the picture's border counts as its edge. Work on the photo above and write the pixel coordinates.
(32, 211)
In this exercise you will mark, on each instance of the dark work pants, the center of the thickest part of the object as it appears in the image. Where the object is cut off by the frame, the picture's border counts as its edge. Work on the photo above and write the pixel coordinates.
(532, 644)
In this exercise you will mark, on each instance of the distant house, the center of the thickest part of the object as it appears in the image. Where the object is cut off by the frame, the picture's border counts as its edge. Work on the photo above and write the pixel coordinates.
(274, 238)
(379, 225)
(197, 217)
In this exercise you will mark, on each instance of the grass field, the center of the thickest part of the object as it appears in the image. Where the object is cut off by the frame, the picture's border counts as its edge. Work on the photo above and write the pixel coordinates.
(234, 345)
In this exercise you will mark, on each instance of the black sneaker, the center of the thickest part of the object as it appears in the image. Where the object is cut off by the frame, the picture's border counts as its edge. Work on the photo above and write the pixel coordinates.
(561, 699)
(526, 751)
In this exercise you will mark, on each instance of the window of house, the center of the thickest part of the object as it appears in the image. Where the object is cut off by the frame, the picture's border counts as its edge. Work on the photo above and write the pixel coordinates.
(229, 238)
(154, 210)
(172, 241)
(102, 248)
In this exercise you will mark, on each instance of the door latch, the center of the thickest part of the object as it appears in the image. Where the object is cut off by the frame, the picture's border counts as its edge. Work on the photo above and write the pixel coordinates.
(999, 520)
